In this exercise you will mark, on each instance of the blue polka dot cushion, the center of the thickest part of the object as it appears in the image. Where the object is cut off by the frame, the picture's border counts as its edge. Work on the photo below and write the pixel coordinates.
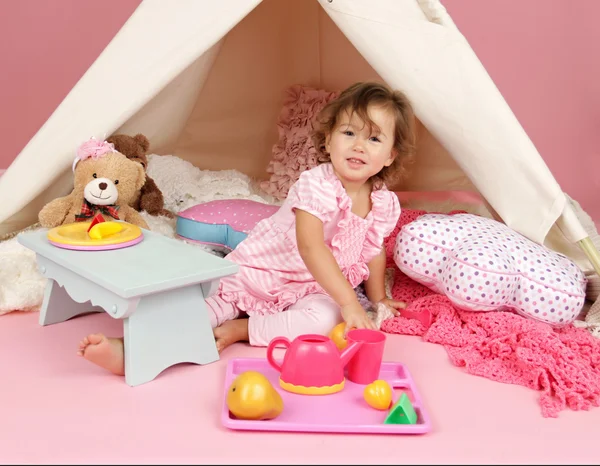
(221, 223)
(482, 265)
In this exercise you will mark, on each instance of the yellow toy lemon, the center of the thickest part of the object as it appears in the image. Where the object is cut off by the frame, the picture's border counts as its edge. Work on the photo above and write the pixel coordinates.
(104, 229)
(251, 396)
(337, 335)
(378, 394)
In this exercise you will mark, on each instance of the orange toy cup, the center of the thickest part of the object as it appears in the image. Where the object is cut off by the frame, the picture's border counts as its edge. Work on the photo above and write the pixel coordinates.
(364, 366)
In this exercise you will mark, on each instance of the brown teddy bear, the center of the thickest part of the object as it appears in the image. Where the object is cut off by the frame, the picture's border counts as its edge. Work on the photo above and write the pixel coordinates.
(135, 148)
(105, 181)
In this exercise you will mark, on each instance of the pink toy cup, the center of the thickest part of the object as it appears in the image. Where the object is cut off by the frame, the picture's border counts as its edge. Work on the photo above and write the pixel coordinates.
(364, 366)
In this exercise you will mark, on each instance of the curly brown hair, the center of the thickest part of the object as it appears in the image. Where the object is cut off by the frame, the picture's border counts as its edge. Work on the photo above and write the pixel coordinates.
(357, 99)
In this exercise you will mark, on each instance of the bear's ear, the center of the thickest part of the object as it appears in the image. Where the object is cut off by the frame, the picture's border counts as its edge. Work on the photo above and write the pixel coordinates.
(142, 141)
(141, 176)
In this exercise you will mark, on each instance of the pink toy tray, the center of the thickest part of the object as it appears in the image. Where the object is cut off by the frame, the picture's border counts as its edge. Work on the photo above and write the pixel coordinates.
(343, 412)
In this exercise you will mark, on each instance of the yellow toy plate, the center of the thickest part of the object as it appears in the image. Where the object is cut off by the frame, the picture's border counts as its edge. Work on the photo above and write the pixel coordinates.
(75, 236)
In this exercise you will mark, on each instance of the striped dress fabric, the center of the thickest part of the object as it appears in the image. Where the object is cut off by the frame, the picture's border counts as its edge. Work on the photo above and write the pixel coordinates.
(272, 275)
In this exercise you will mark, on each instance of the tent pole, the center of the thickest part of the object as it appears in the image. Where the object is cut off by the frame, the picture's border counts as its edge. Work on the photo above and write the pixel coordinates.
(591, 252)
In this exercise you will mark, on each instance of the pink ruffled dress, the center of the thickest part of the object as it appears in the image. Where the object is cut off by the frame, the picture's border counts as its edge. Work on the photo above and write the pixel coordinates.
(272, 275)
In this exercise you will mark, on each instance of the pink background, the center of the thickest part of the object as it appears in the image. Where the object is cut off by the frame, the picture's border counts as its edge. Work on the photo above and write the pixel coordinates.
(541, 55)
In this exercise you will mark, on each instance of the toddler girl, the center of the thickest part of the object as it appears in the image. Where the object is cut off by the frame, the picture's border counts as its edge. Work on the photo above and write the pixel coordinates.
(299, 267)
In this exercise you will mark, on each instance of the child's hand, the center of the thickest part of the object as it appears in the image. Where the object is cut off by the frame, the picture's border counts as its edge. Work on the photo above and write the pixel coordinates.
(356, 317)
(393, 305)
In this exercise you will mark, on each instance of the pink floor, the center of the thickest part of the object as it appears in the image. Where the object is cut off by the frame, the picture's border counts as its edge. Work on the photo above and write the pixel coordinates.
(57, 408)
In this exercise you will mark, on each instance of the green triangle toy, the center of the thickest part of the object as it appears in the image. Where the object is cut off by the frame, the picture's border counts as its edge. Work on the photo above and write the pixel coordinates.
(402, 412)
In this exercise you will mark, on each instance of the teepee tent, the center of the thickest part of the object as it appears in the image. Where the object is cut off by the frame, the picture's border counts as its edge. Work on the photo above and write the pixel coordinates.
(204, 80)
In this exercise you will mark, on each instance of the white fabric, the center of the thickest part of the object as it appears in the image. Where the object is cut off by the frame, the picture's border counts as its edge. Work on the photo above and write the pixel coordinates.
(187, 75)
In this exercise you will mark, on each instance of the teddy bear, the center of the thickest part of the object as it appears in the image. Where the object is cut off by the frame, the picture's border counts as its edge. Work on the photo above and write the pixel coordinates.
(135, 148)
(105, 181)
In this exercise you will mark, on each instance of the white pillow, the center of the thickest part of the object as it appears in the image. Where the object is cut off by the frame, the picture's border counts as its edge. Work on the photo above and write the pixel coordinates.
(482, 265)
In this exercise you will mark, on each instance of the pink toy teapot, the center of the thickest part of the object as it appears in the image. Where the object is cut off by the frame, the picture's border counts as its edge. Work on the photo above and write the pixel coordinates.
(312, 364)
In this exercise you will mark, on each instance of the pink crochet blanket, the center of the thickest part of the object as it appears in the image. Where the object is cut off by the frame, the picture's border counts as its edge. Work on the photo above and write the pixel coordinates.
(562, 363)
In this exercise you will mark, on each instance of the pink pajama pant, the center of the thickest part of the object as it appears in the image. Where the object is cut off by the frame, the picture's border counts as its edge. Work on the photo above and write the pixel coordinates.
(316, 313)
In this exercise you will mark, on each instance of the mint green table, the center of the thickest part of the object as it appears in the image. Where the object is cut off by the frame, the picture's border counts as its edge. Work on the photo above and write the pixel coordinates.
(157, 287)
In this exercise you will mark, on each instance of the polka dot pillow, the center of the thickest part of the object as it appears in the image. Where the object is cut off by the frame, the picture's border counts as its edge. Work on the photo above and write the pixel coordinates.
(482, 265)
(221, 224)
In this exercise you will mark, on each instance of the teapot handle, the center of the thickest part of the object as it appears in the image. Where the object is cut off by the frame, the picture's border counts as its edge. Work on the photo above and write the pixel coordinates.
(271, 347)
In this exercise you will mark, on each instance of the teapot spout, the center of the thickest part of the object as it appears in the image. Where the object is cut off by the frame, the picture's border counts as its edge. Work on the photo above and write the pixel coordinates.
(350, 351)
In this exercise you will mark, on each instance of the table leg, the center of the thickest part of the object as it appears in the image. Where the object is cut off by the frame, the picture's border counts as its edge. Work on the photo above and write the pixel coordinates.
(58, 306)
(167, 328)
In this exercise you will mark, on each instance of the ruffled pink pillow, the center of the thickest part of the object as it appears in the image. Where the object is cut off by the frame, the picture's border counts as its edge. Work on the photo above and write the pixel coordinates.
(294, 152)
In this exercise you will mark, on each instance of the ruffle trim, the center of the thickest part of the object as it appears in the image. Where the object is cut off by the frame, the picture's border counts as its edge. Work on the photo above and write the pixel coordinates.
(383, 203)
(252, 305)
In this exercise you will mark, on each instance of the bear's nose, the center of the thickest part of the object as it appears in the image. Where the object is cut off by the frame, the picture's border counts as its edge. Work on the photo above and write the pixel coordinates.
(103, 186)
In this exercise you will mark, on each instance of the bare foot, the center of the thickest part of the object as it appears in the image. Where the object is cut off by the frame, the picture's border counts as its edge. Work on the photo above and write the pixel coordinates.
(230, 332)
(103, 351)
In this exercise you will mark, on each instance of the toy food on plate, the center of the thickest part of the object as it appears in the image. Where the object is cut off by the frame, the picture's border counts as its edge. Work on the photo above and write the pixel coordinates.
(98, 218)
(101, 236)
(378, 394)
(105, 229)
(251, 396)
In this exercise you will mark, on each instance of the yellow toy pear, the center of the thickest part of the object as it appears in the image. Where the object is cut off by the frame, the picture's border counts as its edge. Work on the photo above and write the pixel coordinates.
(251, 396)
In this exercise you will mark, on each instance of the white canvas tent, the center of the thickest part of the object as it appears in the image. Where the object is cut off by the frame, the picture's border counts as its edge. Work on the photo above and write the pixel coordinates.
(204, 80)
